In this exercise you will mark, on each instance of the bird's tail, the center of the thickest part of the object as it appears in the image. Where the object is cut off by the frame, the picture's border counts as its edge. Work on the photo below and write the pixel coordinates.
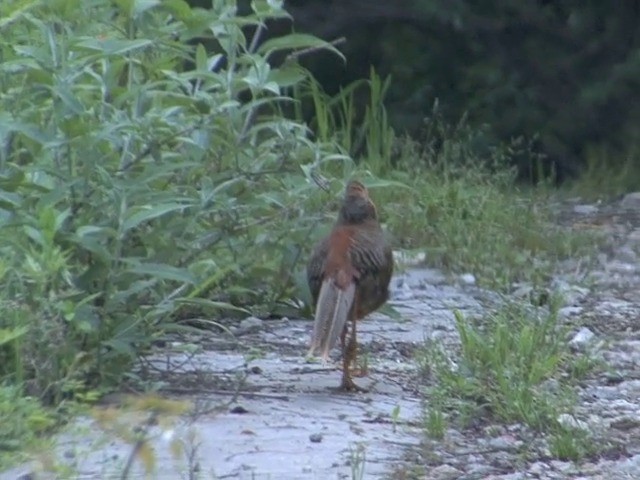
(332, 311)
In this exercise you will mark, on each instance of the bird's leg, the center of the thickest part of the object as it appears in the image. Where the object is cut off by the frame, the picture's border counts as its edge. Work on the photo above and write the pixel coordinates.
(356, 370)
(348, 357)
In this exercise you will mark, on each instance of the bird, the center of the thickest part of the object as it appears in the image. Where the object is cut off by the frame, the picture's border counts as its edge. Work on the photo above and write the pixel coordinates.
(348, 275)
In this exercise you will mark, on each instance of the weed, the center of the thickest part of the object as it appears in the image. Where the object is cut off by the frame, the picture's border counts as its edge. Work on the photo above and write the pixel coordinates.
(357, 461)
(395, 415)
(508, 371)
(23, 421)
(606, 174)
(435, 422)
(571, 444)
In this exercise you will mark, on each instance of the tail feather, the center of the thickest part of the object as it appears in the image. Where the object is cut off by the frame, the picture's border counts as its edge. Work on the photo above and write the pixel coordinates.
(332, 311)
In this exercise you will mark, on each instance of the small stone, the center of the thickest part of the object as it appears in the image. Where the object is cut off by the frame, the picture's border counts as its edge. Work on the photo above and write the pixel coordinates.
(503, 443)
(585, 209)
(538, 468)
(251, 324)
(239, 409)
(582, 338)
(445, 472)
(614, 378)
(631, 200)
(626, 423)
(569, 421)
(631, 465)
(315, 437)
(401, 290)
(566, 312)
(468, 279)
(522, 291)
(255, 370)
(634, 237)
(479, 470)
(626, 254)
(27, 476)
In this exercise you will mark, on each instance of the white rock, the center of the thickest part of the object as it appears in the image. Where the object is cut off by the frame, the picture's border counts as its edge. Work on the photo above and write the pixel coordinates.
(566, 312)
(570, 421)
(626, 254)
(581, 338)
(585, 209)
(445, 472)
(634, 237)
(468, 278)
(631, 200)
(251, 324)
(401, 290)
(631, 465)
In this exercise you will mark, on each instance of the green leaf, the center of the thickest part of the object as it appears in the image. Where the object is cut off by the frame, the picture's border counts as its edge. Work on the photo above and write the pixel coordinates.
(201, 58)
(161, 271)
(295, 41)
(287, 76)
(138, 215)
(10, 201)
(64, 93)
(211, 304)
(114, 46)
(179, 9)
(8, 335)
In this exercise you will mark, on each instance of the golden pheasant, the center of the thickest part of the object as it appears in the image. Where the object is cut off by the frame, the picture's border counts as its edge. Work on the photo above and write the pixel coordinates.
(348, 274)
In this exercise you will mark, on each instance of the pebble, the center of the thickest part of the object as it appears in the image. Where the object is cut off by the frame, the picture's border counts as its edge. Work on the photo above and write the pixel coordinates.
(585, 209)
(631, 200)
(400, 290)
(626, 254)
(250, 325)
(468, 279)
(570, 421)
(504, 443)
(315, 437)
(566, 312)
(445, 472)
(582, 338)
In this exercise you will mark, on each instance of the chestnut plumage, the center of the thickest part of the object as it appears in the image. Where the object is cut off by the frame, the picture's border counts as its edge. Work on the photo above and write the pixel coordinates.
(348, 273)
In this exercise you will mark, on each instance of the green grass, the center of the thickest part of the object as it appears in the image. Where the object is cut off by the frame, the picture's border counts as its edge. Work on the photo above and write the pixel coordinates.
(23, 423)
(607, 175)
(512, 367)
(470, 218)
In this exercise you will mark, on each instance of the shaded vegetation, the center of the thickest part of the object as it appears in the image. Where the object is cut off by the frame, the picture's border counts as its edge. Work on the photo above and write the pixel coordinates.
(563, 72)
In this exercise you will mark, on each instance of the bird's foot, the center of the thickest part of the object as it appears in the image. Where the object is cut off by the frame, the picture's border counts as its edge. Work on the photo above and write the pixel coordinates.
(360, 372)
(350, 386)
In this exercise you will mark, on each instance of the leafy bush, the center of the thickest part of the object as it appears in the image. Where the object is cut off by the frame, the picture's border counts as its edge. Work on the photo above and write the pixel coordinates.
(141, 175)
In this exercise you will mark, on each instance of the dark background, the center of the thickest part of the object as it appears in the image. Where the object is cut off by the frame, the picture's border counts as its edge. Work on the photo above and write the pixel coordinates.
(563, 74)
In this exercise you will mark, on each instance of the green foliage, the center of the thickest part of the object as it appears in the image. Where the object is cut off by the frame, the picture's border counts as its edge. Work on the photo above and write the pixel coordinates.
(607, 174)
(514, 367)
(142, 178)
(466, 209)
(22, 422)
(572, 444)
(336, 119)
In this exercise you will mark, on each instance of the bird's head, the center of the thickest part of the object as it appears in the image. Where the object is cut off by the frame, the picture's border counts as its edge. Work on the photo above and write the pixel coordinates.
(356, 207)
